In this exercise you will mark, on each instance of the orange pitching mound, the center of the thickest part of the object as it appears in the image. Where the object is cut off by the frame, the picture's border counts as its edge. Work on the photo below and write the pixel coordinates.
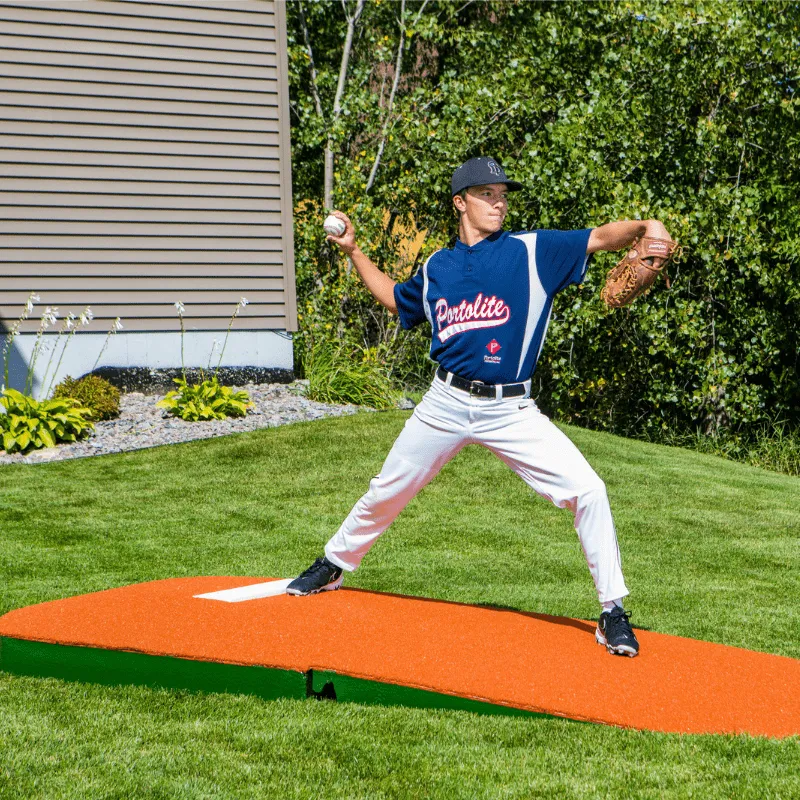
(389, 649)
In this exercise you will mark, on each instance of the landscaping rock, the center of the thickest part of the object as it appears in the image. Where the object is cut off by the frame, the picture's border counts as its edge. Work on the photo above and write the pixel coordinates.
(141, 424)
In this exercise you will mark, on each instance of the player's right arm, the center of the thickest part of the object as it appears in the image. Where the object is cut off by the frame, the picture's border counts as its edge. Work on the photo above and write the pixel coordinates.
(379, 283)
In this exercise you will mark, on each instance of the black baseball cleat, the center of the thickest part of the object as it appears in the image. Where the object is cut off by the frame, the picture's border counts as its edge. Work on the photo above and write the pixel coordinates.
(615, 632)
(321, 576)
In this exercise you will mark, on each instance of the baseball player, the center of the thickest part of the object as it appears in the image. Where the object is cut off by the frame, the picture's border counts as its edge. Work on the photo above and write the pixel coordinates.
(488, 301)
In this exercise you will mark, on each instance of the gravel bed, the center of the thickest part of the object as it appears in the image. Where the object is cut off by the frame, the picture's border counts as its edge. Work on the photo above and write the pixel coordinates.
(141, 424)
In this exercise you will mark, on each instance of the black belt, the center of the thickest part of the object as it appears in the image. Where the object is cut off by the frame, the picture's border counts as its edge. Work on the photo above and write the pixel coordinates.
(481, 389)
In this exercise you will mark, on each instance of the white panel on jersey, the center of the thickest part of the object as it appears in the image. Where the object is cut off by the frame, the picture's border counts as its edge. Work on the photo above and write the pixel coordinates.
(536, 301)
(425, 303)
(546, 326)
(252, 592)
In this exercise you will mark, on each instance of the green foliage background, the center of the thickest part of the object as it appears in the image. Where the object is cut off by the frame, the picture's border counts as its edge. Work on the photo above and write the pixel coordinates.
(684, 111)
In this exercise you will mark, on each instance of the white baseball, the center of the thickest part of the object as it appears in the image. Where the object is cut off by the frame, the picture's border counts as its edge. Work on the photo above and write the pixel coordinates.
(334, 226)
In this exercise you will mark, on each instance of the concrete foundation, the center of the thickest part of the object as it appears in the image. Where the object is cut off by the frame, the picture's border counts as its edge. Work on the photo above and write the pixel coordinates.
(142, 361)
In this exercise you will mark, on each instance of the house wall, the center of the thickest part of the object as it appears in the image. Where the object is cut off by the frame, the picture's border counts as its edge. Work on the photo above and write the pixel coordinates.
(144, 160)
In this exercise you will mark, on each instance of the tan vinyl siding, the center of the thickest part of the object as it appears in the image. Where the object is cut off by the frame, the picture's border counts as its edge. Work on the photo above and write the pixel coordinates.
(144, 67)
(112, 117)
(148, 192)
(144, 159)
(156, 58)
(120, 256)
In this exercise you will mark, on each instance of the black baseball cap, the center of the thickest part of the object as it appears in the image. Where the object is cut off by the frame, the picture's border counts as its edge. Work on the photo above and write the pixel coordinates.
(479, 172)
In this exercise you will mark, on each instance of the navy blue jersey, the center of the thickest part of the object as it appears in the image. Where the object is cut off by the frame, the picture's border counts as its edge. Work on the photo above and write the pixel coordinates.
(489, 304)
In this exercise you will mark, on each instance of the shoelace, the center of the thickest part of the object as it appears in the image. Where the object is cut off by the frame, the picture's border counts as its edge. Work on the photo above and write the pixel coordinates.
(318, 565)
(621, 620)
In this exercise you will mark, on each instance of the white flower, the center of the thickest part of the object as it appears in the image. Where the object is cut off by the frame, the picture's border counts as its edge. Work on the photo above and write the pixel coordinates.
(87, 316)
(117, 324)
(215, 345)
(69, 322)
(243, 301)
(34, 298)
(180, 308)
(49, 317)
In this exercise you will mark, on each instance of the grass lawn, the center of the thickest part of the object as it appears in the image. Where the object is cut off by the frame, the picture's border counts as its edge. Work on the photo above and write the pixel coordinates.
(710, 550)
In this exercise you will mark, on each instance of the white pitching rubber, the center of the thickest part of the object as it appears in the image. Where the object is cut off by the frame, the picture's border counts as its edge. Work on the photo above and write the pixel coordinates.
(253, 592)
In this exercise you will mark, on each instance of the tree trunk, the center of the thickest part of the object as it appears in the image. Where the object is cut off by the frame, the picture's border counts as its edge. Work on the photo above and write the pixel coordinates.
(337, 102)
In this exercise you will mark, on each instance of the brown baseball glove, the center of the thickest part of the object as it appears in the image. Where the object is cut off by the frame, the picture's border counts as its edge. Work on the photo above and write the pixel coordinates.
(636, 272)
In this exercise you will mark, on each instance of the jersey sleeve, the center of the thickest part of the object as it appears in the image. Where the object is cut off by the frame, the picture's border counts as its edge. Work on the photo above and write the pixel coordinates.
(561, 258)
(408, 298)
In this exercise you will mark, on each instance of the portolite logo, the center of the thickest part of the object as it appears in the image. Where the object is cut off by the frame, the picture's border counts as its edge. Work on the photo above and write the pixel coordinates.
(492, 347)
(470, 315)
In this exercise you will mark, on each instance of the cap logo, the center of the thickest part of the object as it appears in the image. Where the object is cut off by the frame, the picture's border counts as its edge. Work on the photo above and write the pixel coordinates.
(494, 169)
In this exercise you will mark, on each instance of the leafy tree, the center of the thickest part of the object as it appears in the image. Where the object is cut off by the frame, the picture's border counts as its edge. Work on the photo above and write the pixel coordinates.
(684, 111)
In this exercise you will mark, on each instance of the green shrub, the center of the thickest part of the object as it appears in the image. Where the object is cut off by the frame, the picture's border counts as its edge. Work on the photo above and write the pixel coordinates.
(32, 424)
(94, 392)
(774, 447)
(346, 373)
(206, 400)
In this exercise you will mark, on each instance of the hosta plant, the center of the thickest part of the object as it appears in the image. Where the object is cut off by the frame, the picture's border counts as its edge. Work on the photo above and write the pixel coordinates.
(205, 400)
(32, 424)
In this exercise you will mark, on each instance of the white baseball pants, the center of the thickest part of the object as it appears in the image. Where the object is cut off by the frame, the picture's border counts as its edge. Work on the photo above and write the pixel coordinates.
(514, 429)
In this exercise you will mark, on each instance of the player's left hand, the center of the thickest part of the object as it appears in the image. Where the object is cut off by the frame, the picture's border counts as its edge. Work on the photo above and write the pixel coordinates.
(637, 270)
(656, 230)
